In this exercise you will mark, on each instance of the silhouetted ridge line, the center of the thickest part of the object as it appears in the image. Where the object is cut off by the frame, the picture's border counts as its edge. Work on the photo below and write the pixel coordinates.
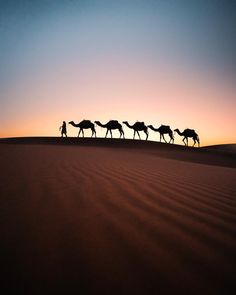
(176, 152)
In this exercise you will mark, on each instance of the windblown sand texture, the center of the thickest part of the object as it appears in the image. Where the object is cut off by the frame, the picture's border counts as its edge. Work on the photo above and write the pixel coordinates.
(130, 220)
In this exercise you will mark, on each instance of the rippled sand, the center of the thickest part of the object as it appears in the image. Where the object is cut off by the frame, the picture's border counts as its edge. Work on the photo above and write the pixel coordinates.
(116, 221)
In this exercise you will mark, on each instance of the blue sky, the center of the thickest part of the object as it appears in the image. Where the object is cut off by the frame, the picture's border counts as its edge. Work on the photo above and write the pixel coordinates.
(42, 39)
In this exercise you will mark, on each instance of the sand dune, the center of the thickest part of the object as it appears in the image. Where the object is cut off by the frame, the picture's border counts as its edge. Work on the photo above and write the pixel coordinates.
(224, 148)
(138, 219)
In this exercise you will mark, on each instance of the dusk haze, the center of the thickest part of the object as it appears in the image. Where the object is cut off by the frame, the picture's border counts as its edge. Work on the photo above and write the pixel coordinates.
(162, 62)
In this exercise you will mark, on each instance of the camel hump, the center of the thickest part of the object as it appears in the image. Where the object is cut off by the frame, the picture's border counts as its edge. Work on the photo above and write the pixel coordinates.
(165, 126)
(114, 121)
(191, 130)
(139, 124)
(86, 123)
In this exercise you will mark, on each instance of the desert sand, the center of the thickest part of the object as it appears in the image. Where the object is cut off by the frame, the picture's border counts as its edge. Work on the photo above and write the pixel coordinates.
(117, 217)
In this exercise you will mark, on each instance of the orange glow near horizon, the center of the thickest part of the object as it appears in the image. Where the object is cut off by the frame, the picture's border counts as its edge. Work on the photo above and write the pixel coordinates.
(171, 97)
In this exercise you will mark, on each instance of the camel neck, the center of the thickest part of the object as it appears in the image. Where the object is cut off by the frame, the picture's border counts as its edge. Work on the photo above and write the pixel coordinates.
(180, 133)
(101, 125)
(127, 124)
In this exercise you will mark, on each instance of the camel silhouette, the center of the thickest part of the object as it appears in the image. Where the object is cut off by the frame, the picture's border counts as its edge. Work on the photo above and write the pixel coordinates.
(138, 126)
(163, 129)
(111, 125)
(189, 133)
(85, 124)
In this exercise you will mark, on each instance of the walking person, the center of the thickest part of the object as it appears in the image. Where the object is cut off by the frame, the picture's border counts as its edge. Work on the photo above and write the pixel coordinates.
(63, 129)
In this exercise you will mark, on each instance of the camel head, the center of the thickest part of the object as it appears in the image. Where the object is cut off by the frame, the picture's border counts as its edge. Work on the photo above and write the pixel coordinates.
(124, 122)
(177, 130)
(73, 124)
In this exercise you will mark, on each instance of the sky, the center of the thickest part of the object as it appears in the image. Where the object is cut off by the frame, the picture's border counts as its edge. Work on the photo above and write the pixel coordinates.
(158, 61)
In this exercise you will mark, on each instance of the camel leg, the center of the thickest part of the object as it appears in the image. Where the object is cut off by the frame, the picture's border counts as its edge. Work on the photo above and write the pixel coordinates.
(160, 137)
(194, 142)
(146, 134)
(164, 138)
(83, 132)
(111, 133)
(187, 140)
(79, 132)
(139, 135)
(120, 132)
(106, 134)
(184, 141)
(92, 132)
(134, 134)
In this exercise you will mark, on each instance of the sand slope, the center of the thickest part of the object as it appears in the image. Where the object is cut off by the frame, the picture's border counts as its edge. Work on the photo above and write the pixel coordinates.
(121, 221)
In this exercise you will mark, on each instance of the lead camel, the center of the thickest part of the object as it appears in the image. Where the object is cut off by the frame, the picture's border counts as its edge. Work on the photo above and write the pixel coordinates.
(85, 124)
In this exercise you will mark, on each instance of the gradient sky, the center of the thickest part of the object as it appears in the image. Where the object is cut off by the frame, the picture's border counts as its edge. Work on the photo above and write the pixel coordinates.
(158, 61)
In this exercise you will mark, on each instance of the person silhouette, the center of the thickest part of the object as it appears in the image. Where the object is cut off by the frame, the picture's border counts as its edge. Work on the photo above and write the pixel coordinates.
(63, 129)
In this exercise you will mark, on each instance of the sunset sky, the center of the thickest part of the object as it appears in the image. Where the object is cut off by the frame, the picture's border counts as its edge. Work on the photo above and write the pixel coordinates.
(159, 61)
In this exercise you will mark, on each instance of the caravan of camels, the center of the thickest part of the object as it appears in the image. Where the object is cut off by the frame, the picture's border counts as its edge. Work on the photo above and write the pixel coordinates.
(137, 127)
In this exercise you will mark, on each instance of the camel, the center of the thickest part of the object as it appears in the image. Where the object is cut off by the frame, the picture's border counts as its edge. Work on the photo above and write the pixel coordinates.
(163, 129)
(85, 124)
(112, 125)
(189, 133)
(138, 126)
